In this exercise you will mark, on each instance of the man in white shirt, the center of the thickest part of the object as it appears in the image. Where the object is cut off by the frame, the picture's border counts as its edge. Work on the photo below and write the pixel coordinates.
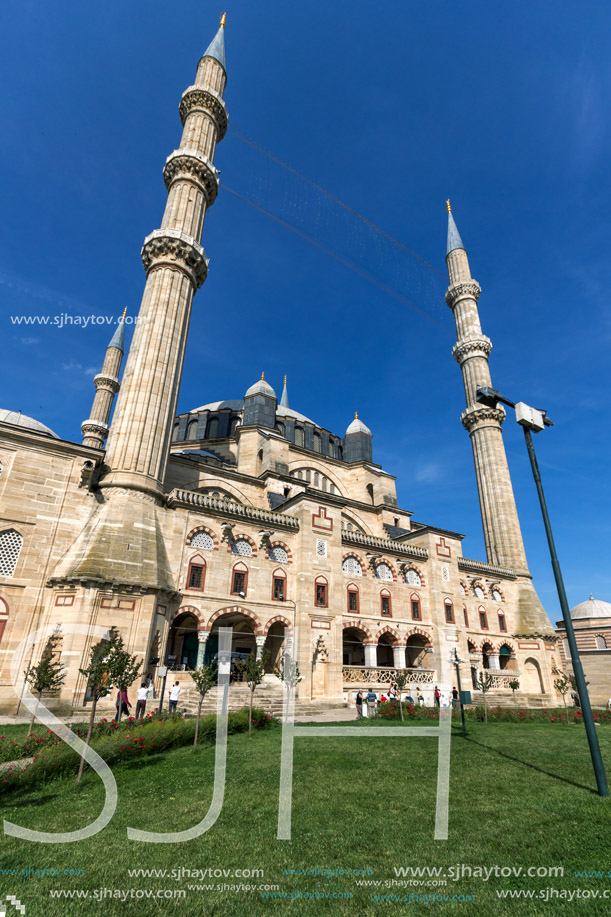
(143, 693)
(174, 694)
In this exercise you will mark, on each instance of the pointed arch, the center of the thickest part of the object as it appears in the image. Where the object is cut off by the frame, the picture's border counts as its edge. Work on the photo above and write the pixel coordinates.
(398, 641)
(355, 625)
(236, 610)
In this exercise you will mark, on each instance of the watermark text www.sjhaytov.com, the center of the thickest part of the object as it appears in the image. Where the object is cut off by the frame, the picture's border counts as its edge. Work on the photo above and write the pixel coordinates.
(64, 320)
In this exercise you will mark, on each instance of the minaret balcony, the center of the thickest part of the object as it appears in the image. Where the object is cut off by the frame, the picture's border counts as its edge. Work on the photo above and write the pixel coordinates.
(111, 383)
(469, 289)
(192, 165)
(94, 426)
(204, 98)
(476, 346)
(171, 246)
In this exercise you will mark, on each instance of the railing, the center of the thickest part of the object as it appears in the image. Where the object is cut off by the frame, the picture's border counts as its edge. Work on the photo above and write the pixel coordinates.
(229, 508)
(381, 675)
(501, 679)
(478, 566)
(384, 544)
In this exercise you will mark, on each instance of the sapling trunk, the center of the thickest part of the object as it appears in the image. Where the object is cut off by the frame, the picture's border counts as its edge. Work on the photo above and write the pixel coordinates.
(87, 738)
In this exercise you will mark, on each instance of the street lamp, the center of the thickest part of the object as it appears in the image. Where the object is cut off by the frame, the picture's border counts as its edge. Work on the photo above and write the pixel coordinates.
(533, 420)
(455, 661)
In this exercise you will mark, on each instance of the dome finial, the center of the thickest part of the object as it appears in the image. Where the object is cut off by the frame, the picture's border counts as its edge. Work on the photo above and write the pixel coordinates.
(454, 240)
(284, 401)
(263, 376)
(124, 313)
(591, 597)
(449, 206)
(223, 20)
(356, 415)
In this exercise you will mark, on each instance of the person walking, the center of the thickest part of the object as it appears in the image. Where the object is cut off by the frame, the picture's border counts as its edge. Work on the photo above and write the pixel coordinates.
(420, 697)
(371, 704)
(437, 694)
(454, 697)
(174, 695)
(143, 693)
(122, 703)
(359, 705)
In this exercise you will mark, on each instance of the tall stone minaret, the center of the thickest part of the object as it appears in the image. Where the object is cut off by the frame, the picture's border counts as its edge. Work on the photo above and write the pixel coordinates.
(502, 535)
(95, 428)
(176, 266)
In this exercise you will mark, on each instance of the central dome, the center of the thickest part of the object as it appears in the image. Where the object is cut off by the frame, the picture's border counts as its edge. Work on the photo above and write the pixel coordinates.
(17, 419)
(593, 608)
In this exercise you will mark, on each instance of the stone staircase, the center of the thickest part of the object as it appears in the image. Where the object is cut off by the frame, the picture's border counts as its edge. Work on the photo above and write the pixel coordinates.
(268, 697)
(506, 699)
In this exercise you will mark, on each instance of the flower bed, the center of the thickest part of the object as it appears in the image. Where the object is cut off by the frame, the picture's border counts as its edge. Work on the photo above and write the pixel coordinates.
(390, 710)
(116, 743)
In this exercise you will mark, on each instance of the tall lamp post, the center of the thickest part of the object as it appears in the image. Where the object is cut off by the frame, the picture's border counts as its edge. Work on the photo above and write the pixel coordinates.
(456, 663)
(533, 421)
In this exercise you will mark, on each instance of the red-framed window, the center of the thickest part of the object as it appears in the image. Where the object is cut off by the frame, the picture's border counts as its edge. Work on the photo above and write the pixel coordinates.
(385, 605)
(239, 579)
(483, 619)
(449, 611)
(416, 612)
(353, 599)
(321, 592)
(502, 623)
(196, 575)
(279, 589)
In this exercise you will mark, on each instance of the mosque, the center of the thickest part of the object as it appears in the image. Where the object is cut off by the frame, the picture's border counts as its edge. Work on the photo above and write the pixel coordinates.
(243, 512)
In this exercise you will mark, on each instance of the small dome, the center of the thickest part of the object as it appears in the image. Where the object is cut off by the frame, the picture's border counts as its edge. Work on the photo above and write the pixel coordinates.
(17, 419)
(261, 388)
(357, 426)
(593, 608)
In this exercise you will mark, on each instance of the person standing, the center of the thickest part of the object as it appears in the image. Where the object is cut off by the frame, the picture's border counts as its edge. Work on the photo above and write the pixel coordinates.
(143, 693)
(174, 695)
(437, 693)
(122, 703)
(371, 704)
(359, 705)
(420, 697)
(454, 697)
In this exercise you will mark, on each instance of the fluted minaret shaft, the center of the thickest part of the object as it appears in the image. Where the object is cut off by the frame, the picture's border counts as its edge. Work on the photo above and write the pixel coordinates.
(502, 534)
(176, 266)
(95, 428)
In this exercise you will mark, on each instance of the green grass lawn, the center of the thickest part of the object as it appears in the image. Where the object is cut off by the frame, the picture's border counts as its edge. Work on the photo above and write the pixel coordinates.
(520, 795)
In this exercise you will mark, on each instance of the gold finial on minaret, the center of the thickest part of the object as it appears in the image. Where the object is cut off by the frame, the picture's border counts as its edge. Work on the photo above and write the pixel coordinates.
(285, 380)
(223, 20)
(449, 206)
(263, 376)
(356, 415)
(124, 313)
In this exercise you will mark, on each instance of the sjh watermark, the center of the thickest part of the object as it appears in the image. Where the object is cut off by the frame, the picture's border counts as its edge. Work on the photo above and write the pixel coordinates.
(65, 320)
(290, 732)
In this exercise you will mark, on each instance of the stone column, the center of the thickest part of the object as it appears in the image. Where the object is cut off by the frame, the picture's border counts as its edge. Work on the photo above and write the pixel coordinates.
(260, 641)
(398, 653)
(371, 654)
(202, 639)
(494, 661)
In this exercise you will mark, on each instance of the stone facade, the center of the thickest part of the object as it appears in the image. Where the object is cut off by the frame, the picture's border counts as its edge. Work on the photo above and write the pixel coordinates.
(246, 513)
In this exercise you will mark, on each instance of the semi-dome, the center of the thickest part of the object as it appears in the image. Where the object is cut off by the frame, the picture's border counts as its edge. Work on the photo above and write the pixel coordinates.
(261, 388)
(593, 608)
(357, 426)
(17, 419)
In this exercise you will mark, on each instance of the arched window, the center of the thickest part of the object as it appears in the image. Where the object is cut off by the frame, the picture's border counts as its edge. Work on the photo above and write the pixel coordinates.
(232, 425)
(202, 540)
(496, 595)
(3, 617)
(566, 648)
(239, 580)
(321, 592)
(192, 430)
(601, 643)
(502, 622)
(316, 441)
(353, 599)
(280, 427)
(449, 611)
(279, 585)
(242, 547)
(213, 428)
(370, 492)
(478, 592)
(463, 591)
(385, 604)
(415, 603)
(196, 575)
(11, 543)
(299, 436)
(483, 618)
(278, 554)
(352, 567)
(383, 571)
(412, 577)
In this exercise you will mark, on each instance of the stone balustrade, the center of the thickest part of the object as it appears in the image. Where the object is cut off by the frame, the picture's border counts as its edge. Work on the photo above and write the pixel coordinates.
(385, 675)
(384, 544)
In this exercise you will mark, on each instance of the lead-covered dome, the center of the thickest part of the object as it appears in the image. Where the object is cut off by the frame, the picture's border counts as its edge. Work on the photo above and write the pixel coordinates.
(357, 426)
(261, 388)
(593, 608)
(17, 419)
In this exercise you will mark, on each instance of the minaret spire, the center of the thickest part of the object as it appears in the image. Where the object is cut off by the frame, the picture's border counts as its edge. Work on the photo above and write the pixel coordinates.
(95, 428)
(176, 266)
(502, 535)
(284, 401)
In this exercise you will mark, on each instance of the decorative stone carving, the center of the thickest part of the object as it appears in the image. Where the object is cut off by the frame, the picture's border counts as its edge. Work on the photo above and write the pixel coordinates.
(479, 415)
(194, 165)
(204, 99)
(479, 346)
(167, 245)
(469, 288)
(109, 382)
(94, 426)
(373, 675)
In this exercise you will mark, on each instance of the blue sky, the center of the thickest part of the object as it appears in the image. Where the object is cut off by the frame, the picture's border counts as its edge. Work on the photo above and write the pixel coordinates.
(392, 108)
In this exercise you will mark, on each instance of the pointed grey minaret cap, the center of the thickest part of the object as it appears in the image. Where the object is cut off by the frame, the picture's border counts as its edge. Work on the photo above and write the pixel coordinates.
(119, 335)
(216, 48)
(284, 401)
(454, 240)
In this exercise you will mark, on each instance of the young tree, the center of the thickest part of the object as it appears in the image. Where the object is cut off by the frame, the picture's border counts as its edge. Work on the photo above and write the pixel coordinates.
(49, 674)
(203, 679)
(401, 680)
(484, 683)
(125, 669)
(288, 672)
(253, 670)
(514, 685)
(99, 681)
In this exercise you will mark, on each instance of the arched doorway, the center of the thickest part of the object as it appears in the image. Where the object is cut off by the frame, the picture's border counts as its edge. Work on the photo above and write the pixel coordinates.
(532, 681)
(181, 652)
(353, 648)
(385, 655)
(506, 658)
(416, 651)
(274, 643)
(487, 649)
(243, 642)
